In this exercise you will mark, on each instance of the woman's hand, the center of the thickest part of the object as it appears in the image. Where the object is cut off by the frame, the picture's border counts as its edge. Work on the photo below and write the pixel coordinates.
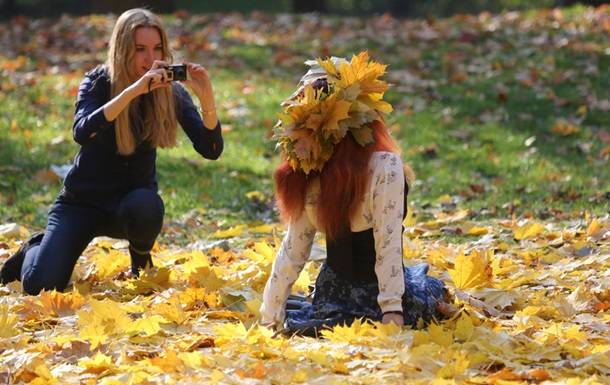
(199, 82)
(155, 78)
(151, 80)
(398, 319)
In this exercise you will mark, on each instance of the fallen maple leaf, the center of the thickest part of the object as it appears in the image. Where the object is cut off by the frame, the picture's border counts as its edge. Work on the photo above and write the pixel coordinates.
(7, 322)
(472, 271)
(98, 364)
(528, 231)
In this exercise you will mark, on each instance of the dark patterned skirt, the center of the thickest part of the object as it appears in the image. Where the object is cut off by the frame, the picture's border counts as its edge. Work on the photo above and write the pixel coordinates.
(339, 301)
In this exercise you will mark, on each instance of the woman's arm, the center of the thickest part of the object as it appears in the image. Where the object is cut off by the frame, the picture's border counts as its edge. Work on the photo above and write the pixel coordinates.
(202, 128)
(208, 143)
(201, 85)
(94, 112)
(153, 79)
(387, 209)
(289, 262)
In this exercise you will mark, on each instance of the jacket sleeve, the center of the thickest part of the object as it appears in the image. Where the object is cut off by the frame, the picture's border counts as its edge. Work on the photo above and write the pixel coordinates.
(89, 116)
(208, 143)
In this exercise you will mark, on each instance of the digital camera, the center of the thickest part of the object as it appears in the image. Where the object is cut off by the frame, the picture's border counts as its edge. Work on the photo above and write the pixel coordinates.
(176, 72)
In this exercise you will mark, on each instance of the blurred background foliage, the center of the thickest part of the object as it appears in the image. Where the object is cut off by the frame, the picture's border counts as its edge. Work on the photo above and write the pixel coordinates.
(398, 8)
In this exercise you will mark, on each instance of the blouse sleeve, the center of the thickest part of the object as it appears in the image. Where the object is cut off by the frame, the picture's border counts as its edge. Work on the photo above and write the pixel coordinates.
(291, 258)
(208, 143)
(387, 208)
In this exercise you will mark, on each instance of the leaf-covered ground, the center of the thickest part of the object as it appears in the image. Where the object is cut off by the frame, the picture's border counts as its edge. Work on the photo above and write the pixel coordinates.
(504, 118)
(534, 302)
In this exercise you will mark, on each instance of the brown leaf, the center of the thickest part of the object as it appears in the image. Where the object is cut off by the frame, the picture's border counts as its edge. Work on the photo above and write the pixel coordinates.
(46, 177)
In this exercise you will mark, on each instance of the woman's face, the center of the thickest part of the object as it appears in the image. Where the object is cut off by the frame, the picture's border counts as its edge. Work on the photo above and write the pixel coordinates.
(148, 49)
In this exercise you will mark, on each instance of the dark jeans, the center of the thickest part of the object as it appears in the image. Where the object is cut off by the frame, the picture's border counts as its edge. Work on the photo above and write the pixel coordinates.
(72, 225)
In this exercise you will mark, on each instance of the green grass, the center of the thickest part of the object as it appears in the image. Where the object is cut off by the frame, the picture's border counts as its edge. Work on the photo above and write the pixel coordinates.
(465, 136)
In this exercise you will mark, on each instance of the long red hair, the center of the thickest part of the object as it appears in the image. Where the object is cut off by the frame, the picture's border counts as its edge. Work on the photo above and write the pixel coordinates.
(343, 182)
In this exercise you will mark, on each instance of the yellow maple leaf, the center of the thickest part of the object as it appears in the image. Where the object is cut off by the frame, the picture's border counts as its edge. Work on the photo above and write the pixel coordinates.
(230, 232)
(333, 111)
(168, 363)
(437, 257)
(155, 279)
(457, 364)
(440, 335)
(328, 66)
(254, 306)
(106, 318)
(97, 364)
(593, 227)
(110, 263)
(216, 376)
(147, 325)
(93, 332)
(44, 375)
(301, 285)
(299, 376)
(410, 219)
(361, 70)
(477, 230)
(360, 332)
(528, 231)
(320, 357)
(502, 266)
(172, 310)
(229, 332)
(205, 277)
(573, 333)
(197, 297)
(472, 271)
(442, 381)
(61, 304)
(194, 360)
(375, 102)
(262, 229)
(8, 322)
(464, 327)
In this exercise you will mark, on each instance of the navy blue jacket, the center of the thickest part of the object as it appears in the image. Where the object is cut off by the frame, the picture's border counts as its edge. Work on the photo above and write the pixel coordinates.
(100, 175)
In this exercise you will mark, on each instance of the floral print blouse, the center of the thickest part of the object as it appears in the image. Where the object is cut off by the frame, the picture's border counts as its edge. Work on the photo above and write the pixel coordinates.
(381, 210)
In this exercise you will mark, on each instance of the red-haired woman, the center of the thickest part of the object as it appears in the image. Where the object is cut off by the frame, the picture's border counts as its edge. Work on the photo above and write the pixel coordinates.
(342, 174)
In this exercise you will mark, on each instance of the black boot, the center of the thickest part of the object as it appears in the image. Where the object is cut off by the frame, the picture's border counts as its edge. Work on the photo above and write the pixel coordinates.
(139, 261)
(11, 270)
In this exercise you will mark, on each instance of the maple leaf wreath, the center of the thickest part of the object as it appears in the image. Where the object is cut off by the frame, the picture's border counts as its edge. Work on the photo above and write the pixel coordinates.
(335, 96)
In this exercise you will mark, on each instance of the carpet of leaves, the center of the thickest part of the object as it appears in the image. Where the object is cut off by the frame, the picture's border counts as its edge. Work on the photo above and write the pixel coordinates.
(533, 299)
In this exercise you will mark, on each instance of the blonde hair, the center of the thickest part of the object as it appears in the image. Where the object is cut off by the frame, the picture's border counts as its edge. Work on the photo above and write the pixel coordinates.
(158, 123)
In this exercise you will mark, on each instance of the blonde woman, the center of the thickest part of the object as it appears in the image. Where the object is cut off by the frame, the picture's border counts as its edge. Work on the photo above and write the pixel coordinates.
(125, 109)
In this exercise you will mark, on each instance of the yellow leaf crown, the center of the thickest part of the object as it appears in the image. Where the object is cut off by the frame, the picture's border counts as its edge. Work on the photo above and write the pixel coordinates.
(316, 118)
